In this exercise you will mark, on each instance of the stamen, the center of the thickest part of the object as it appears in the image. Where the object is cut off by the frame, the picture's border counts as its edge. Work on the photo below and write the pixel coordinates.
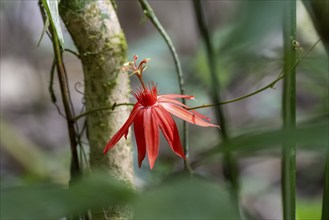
(138, 71)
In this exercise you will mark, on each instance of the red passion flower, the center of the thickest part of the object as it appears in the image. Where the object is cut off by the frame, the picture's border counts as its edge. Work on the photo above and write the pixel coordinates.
(152, 113)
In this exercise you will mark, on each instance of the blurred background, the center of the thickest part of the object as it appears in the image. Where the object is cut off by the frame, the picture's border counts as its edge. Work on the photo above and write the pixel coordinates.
(248, 41)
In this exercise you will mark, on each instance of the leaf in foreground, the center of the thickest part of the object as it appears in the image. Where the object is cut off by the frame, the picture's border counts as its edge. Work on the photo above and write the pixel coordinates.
(53, 202)
(188, 198)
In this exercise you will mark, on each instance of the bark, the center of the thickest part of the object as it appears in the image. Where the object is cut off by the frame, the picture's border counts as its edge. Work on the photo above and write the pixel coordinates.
(97, 34)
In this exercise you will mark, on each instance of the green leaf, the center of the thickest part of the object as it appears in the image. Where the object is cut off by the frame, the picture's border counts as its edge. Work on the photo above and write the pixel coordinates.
(316, 135)
(51, 7)
(53, 202)
(186, 198)
(255, 21)
(311, 135)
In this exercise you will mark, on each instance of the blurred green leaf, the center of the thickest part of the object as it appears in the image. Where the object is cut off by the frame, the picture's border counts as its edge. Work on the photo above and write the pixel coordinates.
(51, 7)
(33, 160)
(52, 202)
(240, 43)
(310, 136)
(308, 209)
(315, 135)
(319, 12)
(186, 198)
(255, 21)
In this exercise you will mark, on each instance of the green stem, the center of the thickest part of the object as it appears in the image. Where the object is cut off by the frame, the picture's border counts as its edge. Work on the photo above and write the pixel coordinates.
(72, 52)
(51, 89)
(229, 164)
(75, 167)
(325, 201)
(51, 83)
(242, 97)
(289, 112)
(148, 11)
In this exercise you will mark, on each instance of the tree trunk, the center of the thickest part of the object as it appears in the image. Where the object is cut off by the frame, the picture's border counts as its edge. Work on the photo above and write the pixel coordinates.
(97, 34)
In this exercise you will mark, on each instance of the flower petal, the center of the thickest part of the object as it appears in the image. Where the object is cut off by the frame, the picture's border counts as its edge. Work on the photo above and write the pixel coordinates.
(168, 100)
(169, 129)
(176, 96)
(139, 136)
(186, 115)
(124, 129)
(162, 99)
(151, 133)
(200, 115)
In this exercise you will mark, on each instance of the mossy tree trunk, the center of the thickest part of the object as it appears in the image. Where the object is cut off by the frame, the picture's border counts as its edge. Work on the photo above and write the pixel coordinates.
(97, 34)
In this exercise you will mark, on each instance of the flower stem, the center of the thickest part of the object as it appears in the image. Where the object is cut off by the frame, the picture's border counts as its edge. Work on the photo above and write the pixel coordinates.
(142, 82)
(289, 112)
(148, 11)
(229, 163)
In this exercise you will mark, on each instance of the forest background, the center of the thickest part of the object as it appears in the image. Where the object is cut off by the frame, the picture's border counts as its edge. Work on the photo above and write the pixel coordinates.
(227, 49)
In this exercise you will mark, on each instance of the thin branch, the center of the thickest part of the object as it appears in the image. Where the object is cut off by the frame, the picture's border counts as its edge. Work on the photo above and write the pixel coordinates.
(72, 52)
(51, 82)
(83, 154)
(75, 168)
(112, 107)
(230, 168)
(242, 97)
(51, 89)
(270, 85)
(148, 11)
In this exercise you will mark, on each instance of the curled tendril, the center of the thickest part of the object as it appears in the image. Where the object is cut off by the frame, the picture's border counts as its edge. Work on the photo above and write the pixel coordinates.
(78, 86)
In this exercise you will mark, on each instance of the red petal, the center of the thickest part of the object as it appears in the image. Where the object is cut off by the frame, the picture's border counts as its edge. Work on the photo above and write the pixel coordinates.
(161, 99)
(200, 115)
(168, 100)
(186, 115)
(169, 129)
(151, 132)
(139, 136)
(124, 129)
(176, 96)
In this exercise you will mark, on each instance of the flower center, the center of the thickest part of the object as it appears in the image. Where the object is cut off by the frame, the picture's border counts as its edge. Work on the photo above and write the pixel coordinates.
(146, 96)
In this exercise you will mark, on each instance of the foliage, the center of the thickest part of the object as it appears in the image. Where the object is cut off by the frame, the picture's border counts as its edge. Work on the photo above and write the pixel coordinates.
(179, 198)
